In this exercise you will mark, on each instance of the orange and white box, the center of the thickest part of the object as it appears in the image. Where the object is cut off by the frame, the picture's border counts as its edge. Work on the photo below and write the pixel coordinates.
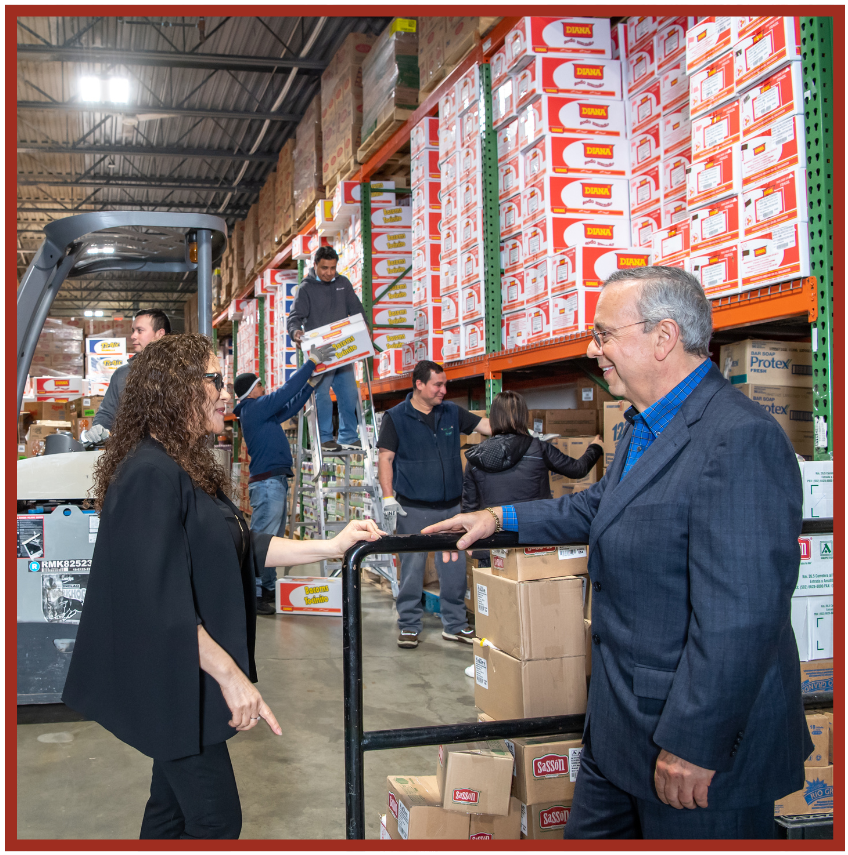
(449, 272)
(450, 203)
(449, 231)
(425, 257)
(676, 130)
(773, 150)
(536, 281)
(450, 308)
(425, 164)
(448, 138)
(573, 311)
(591, 266)
(468, 89)
(509, 177)
(426, 196)
(426, 289)
(447, 106)
(671, 243)
(559, 114)
(588, 231)
(394, 242)
(645, 148)
(512, 291)
(778, 200)
(469, 126)
(575, 195)
(674, 85)
(644, 108)
(347, 196)
(63, 388)
(646, 190)
(714, 178)
(452, 348)
(745, 25)
(425, 226)
(309, 595)
(714, 225)
(717, 269)
(390, 266)
(539, 321)
(425, 319)
(472, 302)
(674, 210)
(639, 67)
(563, 75)
(514, 329)
(708, 39)
(712, 85)
(783, 253)
(393, 316)
(641, 29)
(450, 170)
(504, 105)
(643, 226)
(425, 135)
(774, 42)
(470, 265)
(777, 97)
(510, 216)
(470, 229)
(674, 168)
(473, 338)
(498, 65)
(428, 347)
(507, 140)
(582, 155)
(396, 361)
(576, 36)
(715, 130)
(471, 193)
(561, 271)
(388, 217)
(512, 254)
(670, 41)
(470, 158)
(349, 337)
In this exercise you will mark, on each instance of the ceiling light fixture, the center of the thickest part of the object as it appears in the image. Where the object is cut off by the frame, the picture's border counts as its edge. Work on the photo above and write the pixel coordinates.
(113, 89)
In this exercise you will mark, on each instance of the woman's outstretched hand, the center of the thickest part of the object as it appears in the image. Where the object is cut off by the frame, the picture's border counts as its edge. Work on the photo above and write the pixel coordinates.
(355, 531)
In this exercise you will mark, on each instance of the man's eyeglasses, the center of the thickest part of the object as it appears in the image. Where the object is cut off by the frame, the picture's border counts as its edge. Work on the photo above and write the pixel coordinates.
(600, 337)
(217, 379)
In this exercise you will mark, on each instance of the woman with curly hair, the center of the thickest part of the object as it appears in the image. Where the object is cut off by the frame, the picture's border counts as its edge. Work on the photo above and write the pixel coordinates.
(164, 653)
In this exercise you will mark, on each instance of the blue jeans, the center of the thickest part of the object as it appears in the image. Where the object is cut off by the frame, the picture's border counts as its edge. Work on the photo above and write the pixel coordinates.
(343, 383)
(268, 505)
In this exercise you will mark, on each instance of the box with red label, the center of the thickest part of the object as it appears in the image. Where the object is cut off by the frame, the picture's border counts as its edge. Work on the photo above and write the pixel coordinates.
(717, 269)
(576, 195)
(588, 231)
(674, 85)
(447, 106)
(714, 225)
(426, 288)
(674, 168)
(452, 348)
(471, 229)
(349, 337)
(643, 226)
(309, 595)
(581, 155)
(428, 346)
(468, 128)
(475, 777)
(468, 89)
(396, 361)
(469, 160)
(498, 65)
(574, 310)
(470, 265)
(425, 135)
(561, 270)
(390, 291)
(509, 182)
(546, 768)
(536, 280)
(640, 29)
(507, 138)
(708, 39)
(676, 130)
(563, 75)
(645, 190)
(425, 226)
(671, 243)
(714, 178)
(777, 200)
(426, 319)
(645, 148)
(777, 97)
(712, 85)
(425, 257)
(450, 308)
(744, 25)
(425, 164)
(539, 321)
(536, 242)
(582, 36)
(450, 203)
(415, 811)
(512, 254)
(591, 266)
(390, 266)
(449, 272)
(512, 291)
(471, 193)
(774, 149)
(514, 329)
(386, 338)
(569, 115)
(473, 338)
(390, 242)
(426, 196)
(59, 388)
(347, 197)
(393, 315)
(716, 130)
(510, 216)
(449, 230)
(449, 164)
(674, 210)
(670, 41)
(472, 302)
(774, 42)
(644, 108)
(775, 256)
(639, 67)
(504, 104)
(544, 821)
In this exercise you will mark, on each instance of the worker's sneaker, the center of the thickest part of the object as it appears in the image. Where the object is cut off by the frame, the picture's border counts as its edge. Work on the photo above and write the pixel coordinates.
(263, 607)
(348, 446)
(330, 445)
(466, 635)
(408, 638)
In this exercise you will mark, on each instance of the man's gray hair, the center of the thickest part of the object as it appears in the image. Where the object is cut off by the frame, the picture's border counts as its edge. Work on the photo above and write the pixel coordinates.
(669, 292)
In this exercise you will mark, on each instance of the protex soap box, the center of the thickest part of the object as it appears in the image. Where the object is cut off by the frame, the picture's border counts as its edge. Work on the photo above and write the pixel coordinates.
(772, 363)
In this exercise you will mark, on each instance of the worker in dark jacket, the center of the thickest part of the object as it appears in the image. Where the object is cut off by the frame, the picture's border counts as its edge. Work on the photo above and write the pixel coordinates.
(322, 298)
(513, 466)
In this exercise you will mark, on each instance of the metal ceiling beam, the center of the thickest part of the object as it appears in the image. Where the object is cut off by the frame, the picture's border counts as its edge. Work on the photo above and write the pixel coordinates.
(166, 59)
(127, 206)
(146, 151)
(127, 182)
(154, 112)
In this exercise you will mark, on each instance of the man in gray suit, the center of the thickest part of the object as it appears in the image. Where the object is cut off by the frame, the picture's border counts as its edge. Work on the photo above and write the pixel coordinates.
(695, 723)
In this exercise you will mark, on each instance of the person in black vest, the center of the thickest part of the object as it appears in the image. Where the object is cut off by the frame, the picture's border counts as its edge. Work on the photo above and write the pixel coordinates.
(420, 472)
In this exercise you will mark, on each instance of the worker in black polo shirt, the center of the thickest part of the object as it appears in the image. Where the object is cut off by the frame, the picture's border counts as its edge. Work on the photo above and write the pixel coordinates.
(420, 472)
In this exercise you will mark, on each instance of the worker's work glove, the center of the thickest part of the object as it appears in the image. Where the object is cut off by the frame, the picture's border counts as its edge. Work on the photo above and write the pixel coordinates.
(391, 510)
(95, 435)
(322, 354)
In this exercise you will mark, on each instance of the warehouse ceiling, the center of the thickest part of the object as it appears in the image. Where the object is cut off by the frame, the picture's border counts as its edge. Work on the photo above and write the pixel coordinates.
(211, 102)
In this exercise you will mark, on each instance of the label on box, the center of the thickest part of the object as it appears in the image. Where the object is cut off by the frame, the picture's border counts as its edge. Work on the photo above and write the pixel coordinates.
(783, 253)
(643, 226)
(586, 36)
(645, 148)
(714, 178)
(674, 173)
(645, 107)
(712, 85)
(640, 29)
(403, 820)
(774, 42)
(481, 672)
(778, 200)
(674, 85)
(776, 148)
(707, 40)
(574, 755)
(717, 269)
(566, 553)
(482, 599)
(524, 819)
(780, 95)
(567, 155)
(639, 67)
(671, 40)
(676, 130)
(600, 78)
(715, 225)
(715, 130)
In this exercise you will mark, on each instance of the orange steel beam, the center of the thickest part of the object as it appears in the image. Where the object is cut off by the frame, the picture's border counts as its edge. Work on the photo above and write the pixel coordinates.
(771, 303)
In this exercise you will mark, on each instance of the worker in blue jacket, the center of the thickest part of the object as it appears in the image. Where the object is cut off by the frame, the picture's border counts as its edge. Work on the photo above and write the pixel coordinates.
(261, 416)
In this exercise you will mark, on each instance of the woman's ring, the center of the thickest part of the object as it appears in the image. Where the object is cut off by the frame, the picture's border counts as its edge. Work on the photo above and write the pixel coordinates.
(255, 718)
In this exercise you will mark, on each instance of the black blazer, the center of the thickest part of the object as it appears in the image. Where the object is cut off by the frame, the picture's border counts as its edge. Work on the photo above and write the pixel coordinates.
(164, 562)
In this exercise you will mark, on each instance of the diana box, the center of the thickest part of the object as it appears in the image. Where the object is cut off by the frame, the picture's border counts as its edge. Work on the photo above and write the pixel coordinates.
(539, 321)
(591, 266)
(717, 269)
(470, 265)
(570, 116)
(473, 338)
(450, 308)
(452, 345)
(449, 272)
(564, 75)
(349, 337)
(509, 181)
(552, 234)
(676, 130)
(674, 209)
(471, 193)
(780, 95)
(712, 85)
(777, 200)
(671, 243)
(708, 39)
(575, 195)
(582, 155)
(577, 36)
(775, 256)
(715, 224)
(644, 108)
(714, 178)
(639, 67)
(774, 149)
(309, 595)
(510, 216)
(469, 160)
(715, 130)
(670, 40)
(574, 310)
(772, 44)
(512, 254)
(514, 329)
(472, 302)
(428, 347)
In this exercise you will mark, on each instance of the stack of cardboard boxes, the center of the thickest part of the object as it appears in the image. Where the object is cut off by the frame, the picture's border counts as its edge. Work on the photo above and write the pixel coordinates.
(59, 350)
(277, 288)
(307, 161)
(816, 796)
(250, 240)
(284, 192)
(443, 42)
(232, 265)
(265, 216)
(102, 357)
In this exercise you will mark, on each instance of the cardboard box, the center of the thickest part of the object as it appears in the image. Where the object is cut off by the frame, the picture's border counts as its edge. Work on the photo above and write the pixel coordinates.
(643, 226)
(775, 363)
(670, 40)
(526, 564)
(572, 116)
(564, 75)
(816, 676)
(646, 148)
(514, 329)
(674, 168)
(471, 298)
(708, 39)
(771, 44)
(715, 178)
(673, 211)
(817, 480)
(676, 131)
(473, 338)
(819, 727)
(50, 410)
(530, 620)
(546, 768)
(507, 827)
(475, 777)
(573, 196)
(776, 255)
(776, 148)
(614, 427)
(792, 408)
(712, 85)
(716, 268)
(573, 310)
(779, 199)
(587, 627)
(639, 67)
(510, 216)
(425, 135)
(544, 821)
(59, 388)
(553, 234)
(309, 595)
(812, 622)
(640, 30)
(671, 243)
(571, 422)
(714, 225)
(350, 339)
(646, 190)
(580, 36)
(416, 813)
(777, 97)
(509, 688)
(644, 108)
(815, 797)
(715, 130)
(576, 155)
(674, 86)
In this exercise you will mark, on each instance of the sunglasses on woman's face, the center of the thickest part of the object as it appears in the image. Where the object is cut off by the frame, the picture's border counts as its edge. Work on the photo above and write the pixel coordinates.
(217, 379)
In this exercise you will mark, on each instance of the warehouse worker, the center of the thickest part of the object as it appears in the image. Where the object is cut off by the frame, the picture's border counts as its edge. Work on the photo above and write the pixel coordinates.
(420, 473)
(694, 725)
(148, 325)
(261, 416)
(325, 297)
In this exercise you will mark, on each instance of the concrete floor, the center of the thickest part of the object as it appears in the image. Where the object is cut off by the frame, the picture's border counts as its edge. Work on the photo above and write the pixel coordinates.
(77, 781)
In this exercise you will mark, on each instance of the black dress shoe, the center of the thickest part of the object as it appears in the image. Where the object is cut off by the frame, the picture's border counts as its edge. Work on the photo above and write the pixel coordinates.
(265, 608)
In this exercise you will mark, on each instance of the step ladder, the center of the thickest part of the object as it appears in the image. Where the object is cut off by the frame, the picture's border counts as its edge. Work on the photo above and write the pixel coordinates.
(335, 484)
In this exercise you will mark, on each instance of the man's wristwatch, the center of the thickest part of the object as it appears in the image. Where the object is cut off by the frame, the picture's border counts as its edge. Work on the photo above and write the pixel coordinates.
(498, 526)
